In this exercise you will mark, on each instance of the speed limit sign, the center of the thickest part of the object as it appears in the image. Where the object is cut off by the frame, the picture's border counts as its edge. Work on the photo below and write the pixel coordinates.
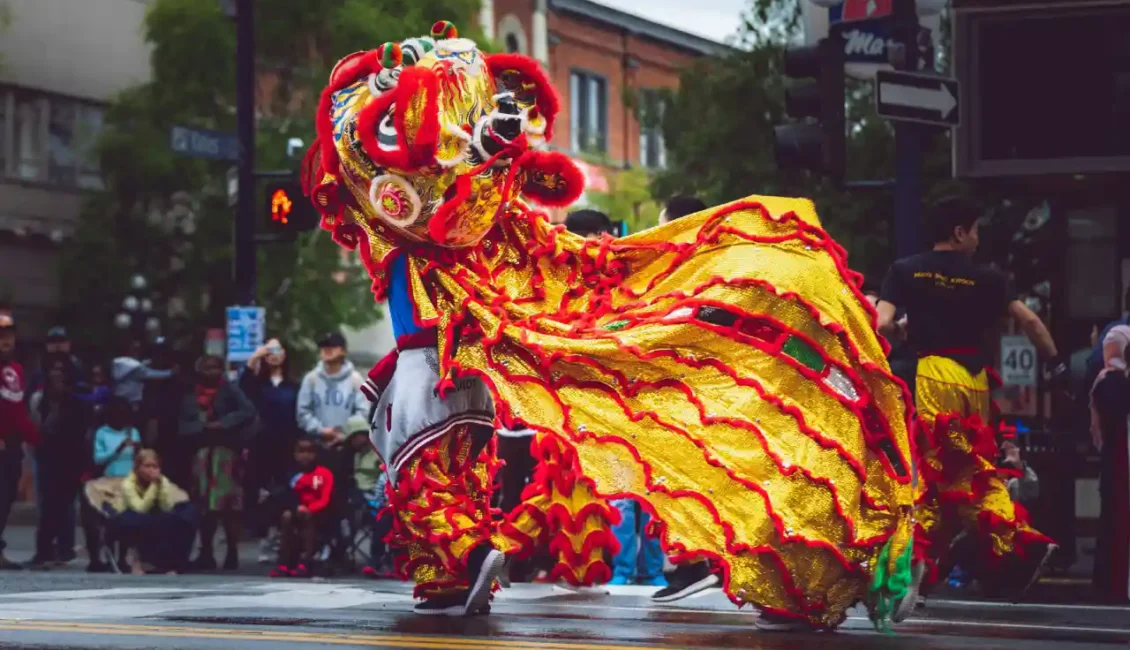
(1018, 361)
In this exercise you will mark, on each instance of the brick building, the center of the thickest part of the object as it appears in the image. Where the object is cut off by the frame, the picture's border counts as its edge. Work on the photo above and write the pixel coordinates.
(595, 55)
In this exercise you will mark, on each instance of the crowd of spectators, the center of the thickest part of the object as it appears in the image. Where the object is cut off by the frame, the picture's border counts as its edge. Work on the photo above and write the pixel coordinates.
(154, 457)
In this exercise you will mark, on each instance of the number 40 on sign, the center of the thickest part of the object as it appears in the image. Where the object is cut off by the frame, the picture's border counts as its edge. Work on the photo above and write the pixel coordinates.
(1018, 361)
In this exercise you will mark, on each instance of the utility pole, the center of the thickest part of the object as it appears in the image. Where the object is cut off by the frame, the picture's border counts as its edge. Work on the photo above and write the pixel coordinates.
(244, 259)
(908, 141)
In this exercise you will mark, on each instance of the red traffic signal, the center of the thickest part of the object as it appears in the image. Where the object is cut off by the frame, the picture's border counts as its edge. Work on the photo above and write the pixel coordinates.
(288, 212)
(281, 206)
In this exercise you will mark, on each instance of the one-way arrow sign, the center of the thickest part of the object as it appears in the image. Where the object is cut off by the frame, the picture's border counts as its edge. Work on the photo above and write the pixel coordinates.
(909, 97)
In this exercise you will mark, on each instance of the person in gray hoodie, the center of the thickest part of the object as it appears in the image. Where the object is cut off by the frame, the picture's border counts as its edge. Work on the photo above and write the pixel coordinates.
(129, 373)
(331, 393)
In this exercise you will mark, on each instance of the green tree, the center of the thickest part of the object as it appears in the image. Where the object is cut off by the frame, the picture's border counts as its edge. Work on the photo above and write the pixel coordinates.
(167, 216)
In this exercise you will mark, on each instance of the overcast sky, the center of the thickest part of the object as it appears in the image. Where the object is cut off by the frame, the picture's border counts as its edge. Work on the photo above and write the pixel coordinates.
(714, 19)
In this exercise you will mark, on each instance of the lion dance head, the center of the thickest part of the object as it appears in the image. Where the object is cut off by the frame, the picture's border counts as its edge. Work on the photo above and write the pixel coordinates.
(429, 140)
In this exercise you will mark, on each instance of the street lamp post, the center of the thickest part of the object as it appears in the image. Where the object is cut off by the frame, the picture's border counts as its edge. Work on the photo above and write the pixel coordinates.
(137, 310)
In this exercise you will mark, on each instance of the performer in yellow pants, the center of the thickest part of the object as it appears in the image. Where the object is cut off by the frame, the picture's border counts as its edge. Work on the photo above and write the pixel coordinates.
(961, 489)
(952, 306)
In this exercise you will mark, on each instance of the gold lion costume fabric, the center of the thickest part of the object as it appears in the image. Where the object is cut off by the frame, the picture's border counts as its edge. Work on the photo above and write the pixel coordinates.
(722, 370)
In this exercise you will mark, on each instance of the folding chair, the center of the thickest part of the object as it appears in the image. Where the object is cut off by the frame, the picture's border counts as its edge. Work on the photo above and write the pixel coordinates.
(99, 494)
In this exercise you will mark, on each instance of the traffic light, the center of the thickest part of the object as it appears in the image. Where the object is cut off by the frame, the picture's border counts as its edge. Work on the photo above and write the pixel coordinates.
(287, 211)
(817, 141)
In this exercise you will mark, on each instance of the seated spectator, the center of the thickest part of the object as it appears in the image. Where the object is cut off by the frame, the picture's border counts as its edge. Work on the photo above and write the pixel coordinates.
(216, 417)
(116, 440)
(305, 514)
(370, 482)
(114, 446)
(154, 517)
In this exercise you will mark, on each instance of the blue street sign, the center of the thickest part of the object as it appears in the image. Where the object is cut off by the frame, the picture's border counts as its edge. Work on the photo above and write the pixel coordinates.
(203, 143)
(245, 332)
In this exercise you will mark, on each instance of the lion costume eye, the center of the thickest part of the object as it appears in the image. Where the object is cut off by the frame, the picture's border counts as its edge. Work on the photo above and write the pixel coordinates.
(386, 134)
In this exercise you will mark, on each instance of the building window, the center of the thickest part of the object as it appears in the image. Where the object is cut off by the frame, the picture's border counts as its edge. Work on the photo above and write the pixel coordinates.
(27, 136)
(49, 139)
(588, 111)
(88, 126)
(512, 33)
(653, 152)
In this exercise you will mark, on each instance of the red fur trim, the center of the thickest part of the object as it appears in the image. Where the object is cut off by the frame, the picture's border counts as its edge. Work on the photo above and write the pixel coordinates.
(547, 100)
(311, 168)
(552, 178)
(347, 235)
(347, 71)
(324, 125)
(351, 68)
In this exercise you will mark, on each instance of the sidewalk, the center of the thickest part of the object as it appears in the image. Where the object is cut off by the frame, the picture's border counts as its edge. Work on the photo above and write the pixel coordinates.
(20, 538)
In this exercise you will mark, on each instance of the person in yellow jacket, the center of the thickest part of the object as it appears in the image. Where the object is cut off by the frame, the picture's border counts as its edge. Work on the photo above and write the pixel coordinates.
(154, 517)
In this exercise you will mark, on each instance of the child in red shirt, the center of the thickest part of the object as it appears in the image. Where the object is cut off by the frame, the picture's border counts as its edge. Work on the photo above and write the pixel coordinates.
(309, 500)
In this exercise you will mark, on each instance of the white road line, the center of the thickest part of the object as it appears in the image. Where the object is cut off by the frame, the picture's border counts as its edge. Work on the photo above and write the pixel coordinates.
(1014, 626)
(1041, 606)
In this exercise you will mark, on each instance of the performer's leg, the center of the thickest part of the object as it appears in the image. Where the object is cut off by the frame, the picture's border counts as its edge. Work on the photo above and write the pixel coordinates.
(968, 492)
(651, 554)
(624, 562)
(562, 511)
(441, 500)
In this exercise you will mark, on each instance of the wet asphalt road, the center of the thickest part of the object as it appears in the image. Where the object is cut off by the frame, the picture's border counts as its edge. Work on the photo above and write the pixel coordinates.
(68, 609)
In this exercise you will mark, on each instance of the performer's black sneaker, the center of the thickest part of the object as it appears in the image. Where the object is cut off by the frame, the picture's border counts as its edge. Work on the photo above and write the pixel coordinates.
(686, 580)
(483, 567)
(449, 605)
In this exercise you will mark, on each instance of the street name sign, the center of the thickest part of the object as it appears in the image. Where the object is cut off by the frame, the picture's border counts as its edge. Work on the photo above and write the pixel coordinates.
(909, 97)
(203, 143)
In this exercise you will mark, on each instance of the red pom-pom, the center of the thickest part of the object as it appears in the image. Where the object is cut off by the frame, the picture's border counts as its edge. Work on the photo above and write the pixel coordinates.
(390, 55)
(551, 178)
(444, 29)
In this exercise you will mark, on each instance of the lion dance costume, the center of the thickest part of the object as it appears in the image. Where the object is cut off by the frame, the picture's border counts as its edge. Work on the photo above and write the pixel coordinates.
(722, 370)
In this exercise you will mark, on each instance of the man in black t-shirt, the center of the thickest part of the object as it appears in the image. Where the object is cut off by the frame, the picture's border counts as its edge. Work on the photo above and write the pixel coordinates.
(953, 306)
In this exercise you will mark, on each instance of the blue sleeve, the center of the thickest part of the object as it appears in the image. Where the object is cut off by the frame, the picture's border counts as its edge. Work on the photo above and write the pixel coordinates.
(103, 451)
